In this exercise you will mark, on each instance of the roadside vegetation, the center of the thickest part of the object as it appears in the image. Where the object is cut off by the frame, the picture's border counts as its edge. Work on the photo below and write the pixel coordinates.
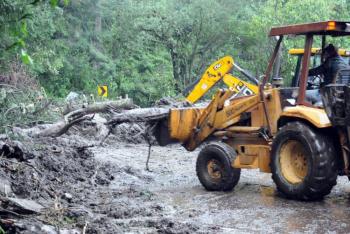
(143, 49)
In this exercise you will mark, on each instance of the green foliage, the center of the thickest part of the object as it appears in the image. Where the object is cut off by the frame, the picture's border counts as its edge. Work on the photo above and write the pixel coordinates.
(14, 18)
(191, 32)
(285, 12)
(26, 59)
(146, 49)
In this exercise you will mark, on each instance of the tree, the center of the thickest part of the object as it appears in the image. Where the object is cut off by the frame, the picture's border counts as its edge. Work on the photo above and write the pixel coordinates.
(258, 47)
(192, 32)
(14, 18)
(145, 49)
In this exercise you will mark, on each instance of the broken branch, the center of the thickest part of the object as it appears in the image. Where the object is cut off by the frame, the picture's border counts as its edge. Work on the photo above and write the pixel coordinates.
(76, 116)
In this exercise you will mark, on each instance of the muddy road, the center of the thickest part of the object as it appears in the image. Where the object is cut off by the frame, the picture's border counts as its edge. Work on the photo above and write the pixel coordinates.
(254, 206)
(61, 185)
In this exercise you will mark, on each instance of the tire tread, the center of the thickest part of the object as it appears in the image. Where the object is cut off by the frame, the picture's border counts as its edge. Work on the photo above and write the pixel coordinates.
(324, 171)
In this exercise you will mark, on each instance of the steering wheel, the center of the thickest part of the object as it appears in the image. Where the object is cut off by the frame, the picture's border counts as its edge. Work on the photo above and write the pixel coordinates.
(314, 82)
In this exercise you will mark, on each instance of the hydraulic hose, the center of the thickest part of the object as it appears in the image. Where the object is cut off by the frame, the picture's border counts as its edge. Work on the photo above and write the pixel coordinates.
(246, 74)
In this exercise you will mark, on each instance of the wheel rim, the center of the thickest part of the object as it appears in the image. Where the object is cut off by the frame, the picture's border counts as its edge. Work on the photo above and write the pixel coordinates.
(293, 161)
(214, 169)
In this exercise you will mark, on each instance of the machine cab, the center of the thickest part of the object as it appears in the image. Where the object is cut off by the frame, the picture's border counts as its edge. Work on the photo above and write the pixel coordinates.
(315, 60)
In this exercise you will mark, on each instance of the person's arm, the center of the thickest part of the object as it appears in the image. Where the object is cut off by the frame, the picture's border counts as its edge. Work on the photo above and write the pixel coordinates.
(317, 70)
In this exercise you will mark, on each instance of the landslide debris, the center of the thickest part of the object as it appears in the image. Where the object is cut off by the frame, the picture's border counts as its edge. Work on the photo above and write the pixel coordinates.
(55, 185)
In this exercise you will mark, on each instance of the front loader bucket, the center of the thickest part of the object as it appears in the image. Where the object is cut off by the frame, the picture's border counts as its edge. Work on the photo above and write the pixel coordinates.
(161, 133)
(178, 126)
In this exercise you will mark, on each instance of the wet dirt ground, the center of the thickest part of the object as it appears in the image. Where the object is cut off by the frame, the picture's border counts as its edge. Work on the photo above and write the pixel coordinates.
(253, 207)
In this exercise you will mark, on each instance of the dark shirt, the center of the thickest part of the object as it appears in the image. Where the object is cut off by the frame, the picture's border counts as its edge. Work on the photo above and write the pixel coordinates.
(329, 69)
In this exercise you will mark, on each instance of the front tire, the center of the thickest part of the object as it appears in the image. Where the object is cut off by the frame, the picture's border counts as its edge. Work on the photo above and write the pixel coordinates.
(303, 162)
(214, 167)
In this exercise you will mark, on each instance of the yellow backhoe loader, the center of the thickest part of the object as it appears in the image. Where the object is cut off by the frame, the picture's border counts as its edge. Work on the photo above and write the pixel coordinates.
(277, 130)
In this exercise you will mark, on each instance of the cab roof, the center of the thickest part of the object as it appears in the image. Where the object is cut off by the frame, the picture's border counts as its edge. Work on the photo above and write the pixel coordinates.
(332, 28)
(300, 51)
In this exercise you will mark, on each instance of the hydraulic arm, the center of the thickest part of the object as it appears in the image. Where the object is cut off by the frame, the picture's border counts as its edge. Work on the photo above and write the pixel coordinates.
(220, 70)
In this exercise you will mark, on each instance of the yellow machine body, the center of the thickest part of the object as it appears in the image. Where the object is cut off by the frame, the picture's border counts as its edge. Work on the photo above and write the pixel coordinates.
(217, 71)
(300, 51)
(240, 86)
(223, 119)
(210, 77)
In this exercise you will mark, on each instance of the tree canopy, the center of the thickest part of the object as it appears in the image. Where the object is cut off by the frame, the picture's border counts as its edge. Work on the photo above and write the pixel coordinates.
(146, 49)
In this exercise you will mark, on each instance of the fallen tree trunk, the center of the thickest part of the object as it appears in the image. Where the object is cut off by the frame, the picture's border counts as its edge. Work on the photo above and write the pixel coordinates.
(147, 115)
(77, 116)
(102, 107)
(139, 115)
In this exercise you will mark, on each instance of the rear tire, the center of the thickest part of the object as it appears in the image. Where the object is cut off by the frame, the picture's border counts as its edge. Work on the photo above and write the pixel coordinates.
(303, 162)
(214, 167)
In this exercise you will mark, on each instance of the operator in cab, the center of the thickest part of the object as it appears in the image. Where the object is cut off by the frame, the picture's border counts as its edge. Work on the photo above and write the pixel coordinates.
(332, 64)
(329, 70)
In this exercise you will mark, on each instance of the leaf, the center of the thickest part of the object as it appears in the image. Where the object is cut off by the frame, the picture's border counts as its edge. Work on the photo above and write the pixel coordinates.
(24, 30)
(26, 59)
(53, 3)
(21, 43)
(66, 2)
